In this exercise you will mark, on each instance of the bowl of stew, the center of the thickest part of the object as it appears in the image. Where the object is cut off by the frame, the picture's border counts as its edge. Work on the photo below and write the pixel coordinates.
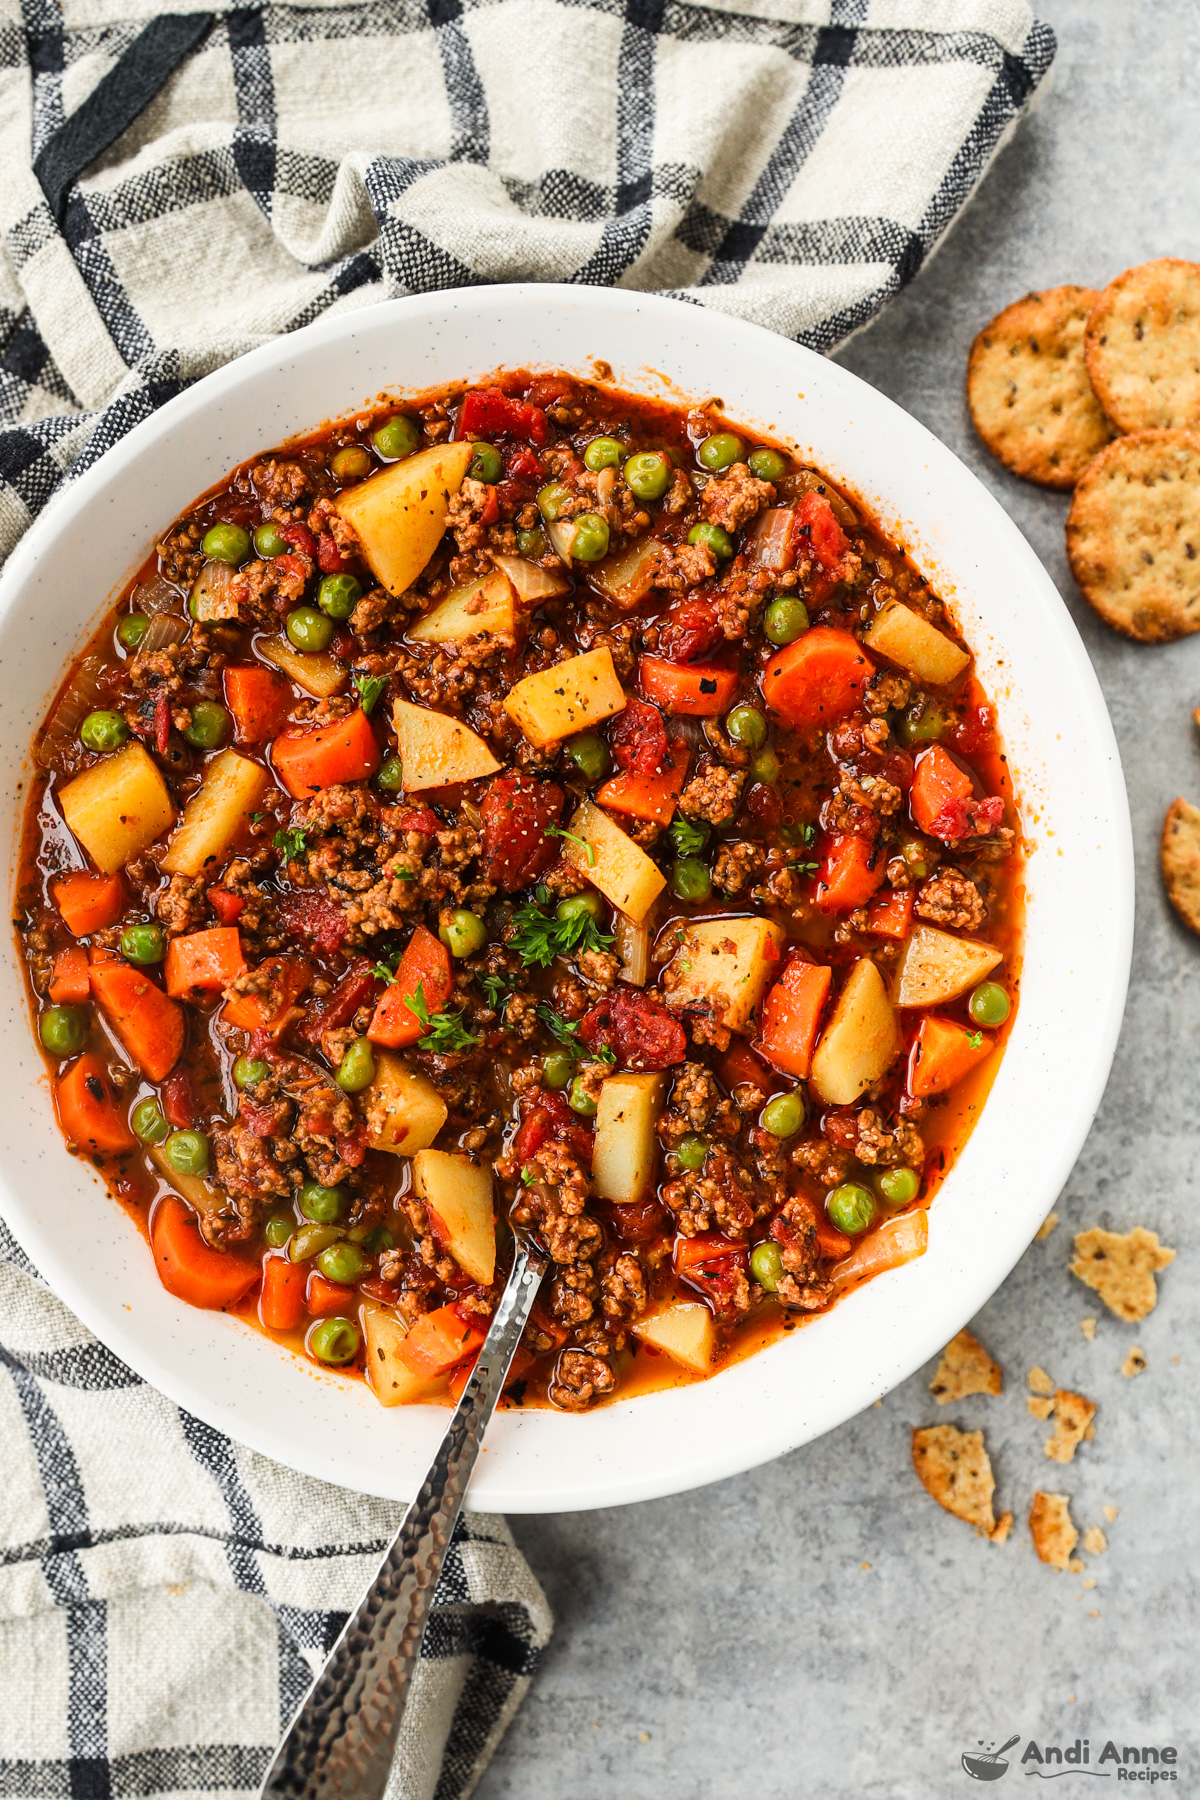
(549, 761)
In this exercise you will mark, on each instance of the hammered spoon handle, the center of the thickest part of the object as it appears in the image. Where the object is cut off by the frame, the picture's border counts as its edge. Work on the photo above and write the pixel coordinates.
(342, 1740)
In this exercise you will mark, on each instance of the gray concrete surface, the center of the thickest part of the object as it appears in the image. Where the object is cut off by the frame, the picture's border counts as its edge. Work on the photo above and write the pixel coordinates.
(819, 1627)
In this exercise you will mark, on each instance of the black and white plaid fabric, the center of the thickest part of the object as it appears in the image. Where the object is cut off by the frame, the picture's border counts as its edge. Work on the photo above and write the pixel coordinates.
(176, 187)
(166, 1596)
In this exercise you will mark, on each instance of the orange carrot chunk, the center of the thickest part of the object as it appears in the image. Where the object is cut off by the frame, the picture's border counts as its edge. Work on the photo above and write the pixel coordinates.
(188, 1267)
(791, 1016)
(938, 780)
(647, 796)
(438, 1341)
(88, 902)
(425, 963)
(890, 913)
(851, 872)
(88, 1110)
(327, 1298)
(696, 689)
(260, 701)
(942, 1054)
(203, 961)
(281, 1304)
(289, 977)
(817, 680)
(71, 985)
(151, 1027)
(306, 761)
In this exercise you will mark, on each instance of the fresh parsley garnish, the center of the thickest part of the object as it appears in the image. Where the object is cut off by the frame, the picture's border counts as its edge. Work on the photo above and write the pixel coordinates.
(370, 687)
(385, 968)
(444, 1032)
(293, 843)
(539, 937)
(975, 1039)
(565, 1030)
(688, 838)
(495, 989)
(402, 872)
(589, 850)
(803, 868)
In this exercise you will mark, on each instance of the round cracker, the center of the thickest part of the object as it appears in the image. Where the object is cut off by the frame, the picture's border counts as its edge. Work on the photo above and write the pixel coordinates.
(1179, 853)
(1133, 535)
(1142, 346)
(1028, 388)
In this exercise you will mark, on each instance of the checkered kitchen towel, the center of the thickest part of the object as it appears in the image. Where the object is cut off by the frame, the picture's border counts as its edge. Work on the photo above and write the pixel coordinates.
(175, 188)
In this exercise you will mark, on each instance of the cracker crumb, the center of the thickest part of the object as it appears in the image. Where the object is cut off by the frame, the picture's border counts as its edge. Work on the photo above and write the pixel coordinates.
(1039, 1406)
(1110, 1513)
(1091, 1580)
(1053, 1530)
(1088, 1328)
(1002, 1528)
(864, 1565)
(1039, 1381)
(1045, 1228)
(954, 1467)
(1077, 1565)
(1073, 1417)
(1135, 1362)
(1121, 1268)
(1095, 1543)
(1093, 1615)
(965, 1368)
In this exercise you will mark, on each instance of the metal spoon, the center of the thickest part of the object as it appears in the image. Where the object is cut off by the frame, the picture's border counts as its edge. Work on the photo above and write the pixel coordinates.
(342, 1740)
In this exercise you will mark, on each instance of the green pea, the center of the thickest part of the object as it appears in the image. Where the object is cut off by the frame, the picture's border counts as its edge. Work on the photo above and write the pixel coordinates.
(690, 879)
(747, 727)
(463, 933)
(334, 1341)
(766, 767)
(692, 1150)
(62, 1030)
(149, 1125)
(590, 755)
(323, 1205)
(338, 595)
(187, 1152)
(350, 462)
(558, 1068)
(552, 498)
(590, 541)
(648, 474)
(922, 724)
(578, 905)
(603, 453)
(356, 1070)
(766, 1265)
(714, 537)
(784, 1115)
(227, 544)
(279, 1230)
(898, 1186)
(720, 451)
(768, 465)
(379, 1239)
(268, 542)
(989, 1004)
(532, 543)
(391, 775)
(310, 1240)
(343, 1262)
(399, 437)
(209, 726)
(143, 944)
(579, 1100)
(485, 464)
(309, 629)
(248, 1071)
(785, 619)
(851, 1208)
(131, 630)
(103, 731)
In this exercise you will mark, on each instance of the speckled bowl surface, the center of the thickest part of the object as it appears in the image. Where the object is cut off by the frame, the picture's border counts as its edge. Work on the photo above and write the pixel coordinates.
(1067, 775)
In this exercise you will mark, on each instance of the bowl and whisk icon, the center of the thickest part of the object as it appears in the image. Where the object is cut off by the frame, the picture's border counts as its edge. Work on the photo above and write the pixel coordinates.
(988, 1765)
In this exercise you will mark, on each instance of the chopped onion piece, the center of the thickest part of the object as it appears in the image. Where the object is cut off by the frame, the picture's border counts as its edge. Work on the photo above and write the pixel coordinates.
(158, 595)
(83, 694)
(633, 947)
(163, 630)
(211, 597)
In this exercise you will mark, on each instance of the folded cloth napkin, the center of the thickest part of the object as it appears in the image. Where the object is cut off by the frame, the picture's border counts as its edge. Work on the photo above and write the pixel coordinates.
(175, 188)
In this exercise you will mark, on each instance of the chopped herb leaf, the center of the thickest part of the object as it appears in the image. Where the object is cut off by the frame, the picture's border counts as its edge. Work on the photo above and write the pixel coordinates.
(539, 937)
(589, 850)
(292, 843)
(444, 1032)
(565, 1030)
(688, 838)
(527, 1177)
(402, 872)
(370, 687)
(495, 989)
(804, 868)
(975, 1039)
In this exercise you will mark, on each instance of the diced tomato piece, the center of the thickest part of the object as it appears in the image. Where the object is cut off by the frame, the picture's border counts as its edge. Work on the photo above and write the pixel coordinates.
(487, 413)
(638, 1221)
(425, 965)
(228, 907)
(817, 680)
(179, 1099)
(359, 986)
(690, 629)
(705, 1247)
(636, 1027)
(552, 1121)
(517, 810)
(828, 540)
(975, 733)
(852, 870)
(522, 463)
(281, 1303)
(968, 818)
(638, 737)
(942, 1054)
(695, 690)
(792, 1015)
(890, 913)
(300, 538)
(313, 916)
(739, 1065)
(330, 559)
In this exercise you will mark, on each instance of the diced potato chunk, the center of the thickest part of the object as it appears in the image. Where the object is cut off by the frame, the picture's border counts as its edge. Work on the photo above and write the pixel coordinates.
(860, 1041)
(118, 807)
(399, 515)
(458, 1198)
(530, 583)
(392, 1381)
(405, 1112)
(727, 964)
(620, 868)
(478, 608)
(904, 637)
(685, 1331)
(570, 697)
(217, 813)
(935, 966)
(317, 672)
(435, 749)
(627, 578)
(626, 1143)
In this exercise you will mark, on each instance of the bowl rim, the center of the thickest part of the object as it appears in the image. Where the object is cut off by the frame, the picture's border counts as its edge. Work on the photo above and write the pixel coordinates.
(708, 1461)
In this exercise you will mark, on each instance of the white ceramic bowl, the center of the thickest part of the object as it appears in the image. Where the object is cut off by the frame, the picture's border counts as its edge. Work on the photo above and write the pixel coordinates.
(1067, 774)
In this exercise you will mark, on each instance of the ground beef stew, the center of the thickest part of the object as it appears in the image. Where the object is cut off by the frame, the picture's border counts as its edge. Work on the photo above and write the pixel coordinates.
(534, 807)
